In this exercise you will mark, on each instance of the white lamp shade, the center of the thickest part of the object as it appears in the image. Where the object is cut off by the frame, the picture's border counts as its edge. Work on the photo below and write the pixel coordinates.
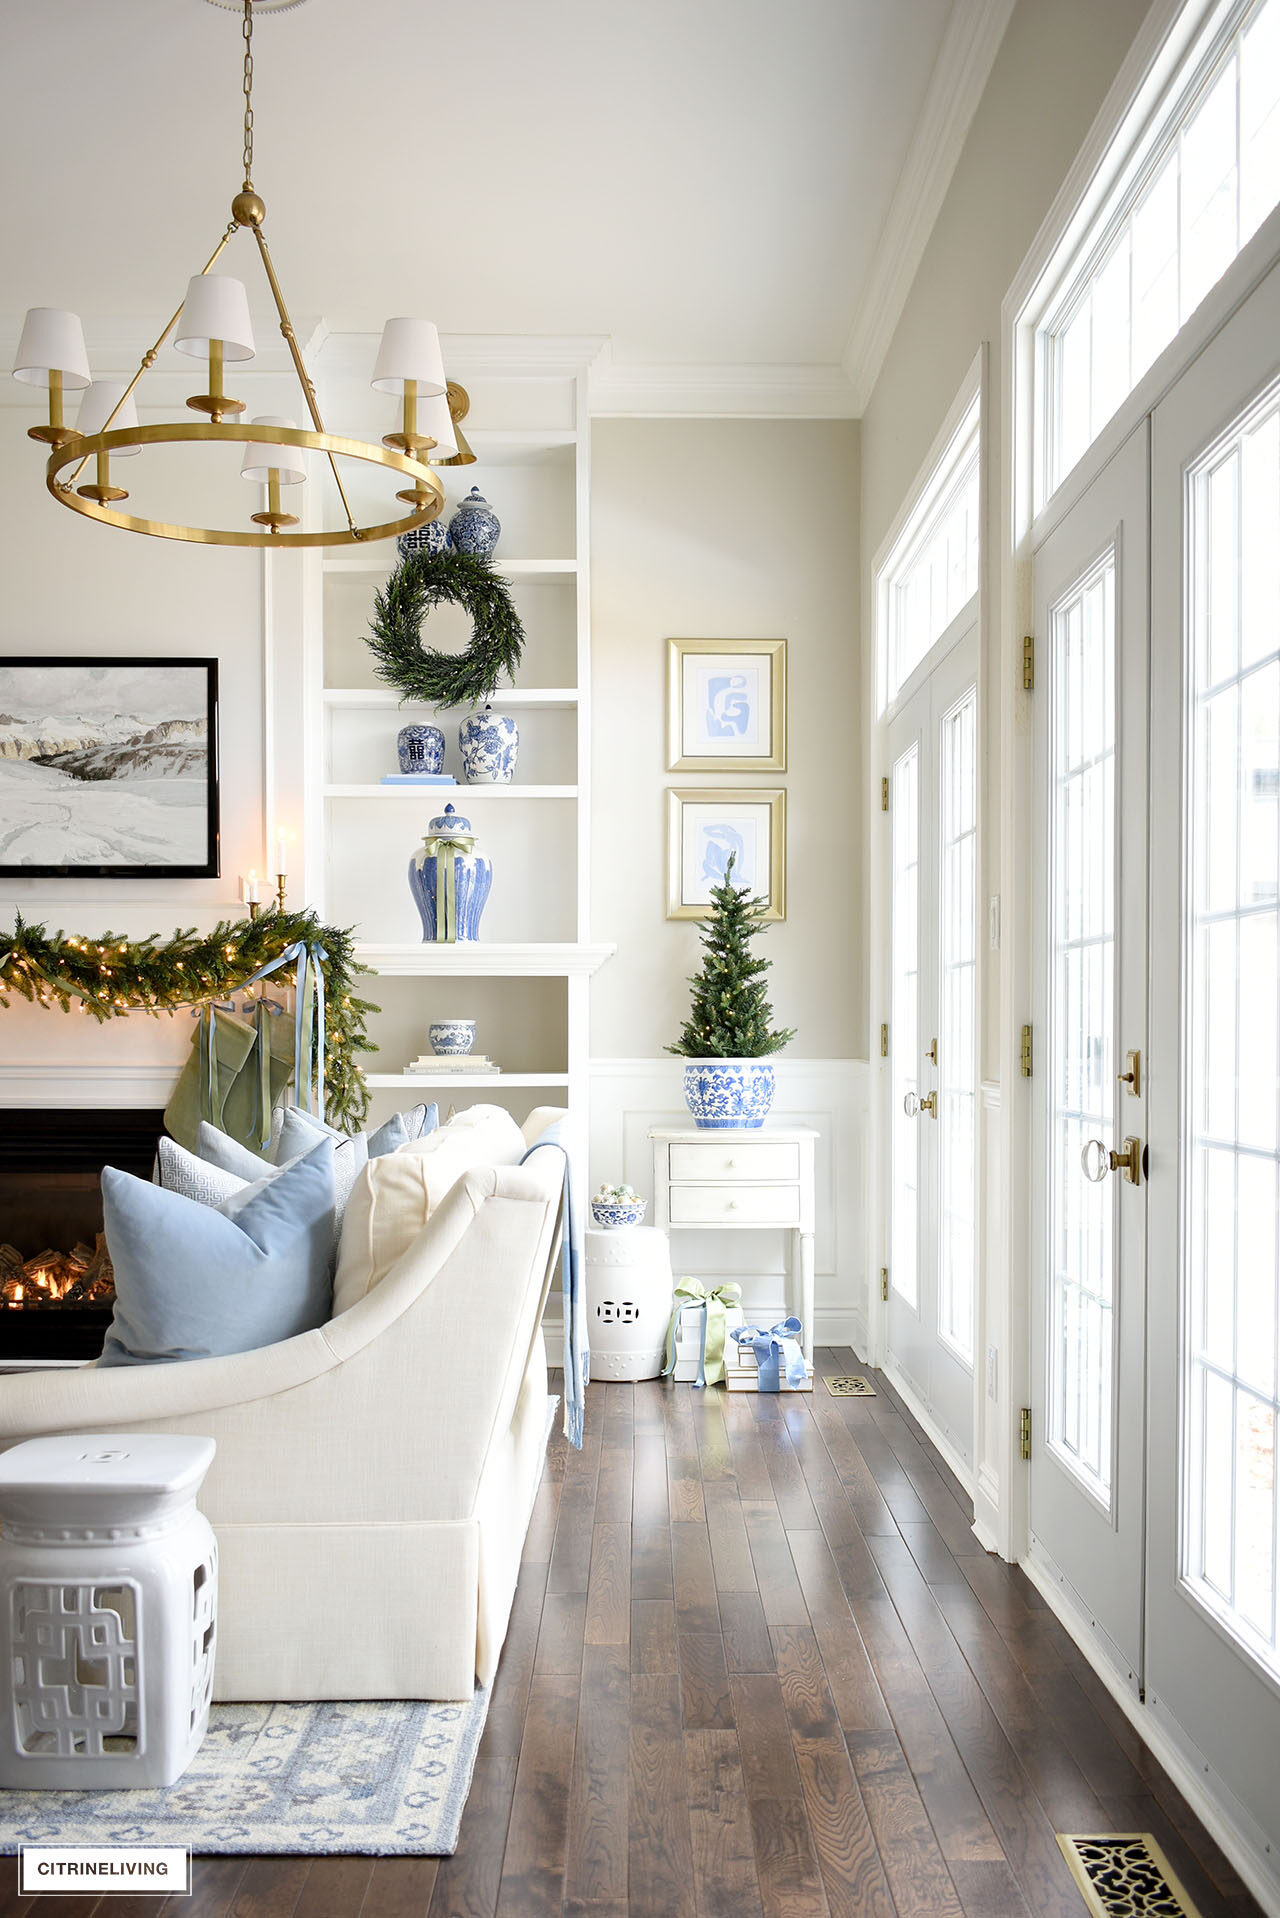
(52, 341)
(96, 408)
(410, 350)
(216, 308)
(262, 458)
(434, 418)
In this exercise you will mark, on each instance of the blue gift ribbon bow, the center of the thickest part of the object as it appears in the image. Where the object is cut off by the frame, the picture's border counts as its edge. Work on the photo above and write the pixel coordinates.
(776, 1351)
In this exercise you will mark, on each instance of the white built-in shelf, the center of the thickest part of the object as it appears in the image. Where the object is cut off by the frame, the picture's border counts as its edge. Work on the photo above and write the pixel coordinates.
(478, 958)
(386, 1081)
(387, 699)
(493, 446)
(444, 793)
(376, 565)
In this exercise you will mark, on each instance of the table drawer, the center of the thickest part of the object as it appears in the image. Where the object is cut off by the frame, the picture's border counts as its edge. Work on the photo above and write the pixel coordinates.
(735, 1205)
(751, 1161)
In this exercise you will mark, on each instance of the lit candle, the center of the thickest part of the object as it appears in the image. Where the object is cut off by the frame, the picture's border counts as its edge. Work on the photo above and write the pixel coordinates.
(282, 862)
(251, 889)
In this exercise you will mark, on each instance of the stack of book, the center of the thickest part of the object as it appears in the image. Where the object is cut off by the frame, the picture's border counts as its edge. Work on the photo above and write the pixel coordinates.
(418, 779)
(461, 1063)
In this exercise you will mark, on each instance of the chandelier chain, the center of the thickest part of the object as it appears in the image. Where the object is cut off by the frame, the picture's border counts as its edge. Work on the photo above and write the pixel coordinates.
(247, 30)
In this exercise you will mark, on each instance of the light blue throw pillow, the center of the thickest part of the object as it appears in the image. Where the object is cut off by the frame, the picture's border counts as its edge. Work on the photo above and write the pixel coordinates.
(195, 1282)
(402, 1128)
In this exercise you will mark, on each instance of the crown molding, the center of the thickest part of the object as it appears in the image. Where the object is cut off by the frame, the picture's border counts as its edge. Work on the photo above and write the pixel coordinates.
(466, 355)
(617, 390)
(960, 74)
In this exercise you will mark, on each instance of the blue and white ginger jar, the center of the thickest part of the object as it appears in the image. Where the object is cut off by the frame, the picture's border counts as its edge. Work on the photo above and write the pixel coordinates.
(431, 539)
(420, 749)
(728, 1094)
(449, 837)
(489, 742)
(475, 526)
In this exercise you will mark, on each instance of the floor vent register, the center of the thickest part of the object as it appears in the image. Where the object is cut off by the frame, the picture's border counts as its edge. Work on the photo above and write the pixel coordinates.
(850, 1388)
(1124, 1874)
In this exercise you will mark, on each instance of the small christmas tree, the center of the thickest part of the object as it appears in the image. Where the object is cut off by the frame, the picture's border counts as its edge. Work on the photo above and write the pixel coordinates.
(730, 1017)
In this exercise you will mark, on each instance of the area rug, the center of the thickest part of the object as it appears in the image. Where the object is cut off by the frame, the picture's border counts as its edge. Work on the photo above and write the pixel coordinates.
(377, 1777)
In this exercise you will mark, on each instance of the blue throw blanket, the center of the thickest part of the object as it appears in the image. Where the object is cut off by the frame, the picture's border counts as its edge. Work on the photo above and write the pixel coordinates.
(577, 1358)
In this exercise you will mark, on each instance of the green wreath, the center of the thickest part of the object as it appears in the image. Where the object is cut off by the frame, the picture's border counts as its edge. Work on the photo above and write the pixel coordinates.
(422, 581)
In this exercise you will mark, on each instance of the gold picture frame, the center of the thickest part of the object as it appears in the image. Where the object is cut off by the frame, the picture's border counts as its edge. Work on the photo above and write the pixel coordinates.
(731, 719)
(706, 823)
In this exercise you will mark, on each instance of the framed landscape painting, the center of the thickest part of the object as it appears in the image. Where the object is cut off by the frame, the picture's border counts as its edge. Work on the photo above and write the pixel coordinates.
(705, 829)
(108, 768)
(727, 705)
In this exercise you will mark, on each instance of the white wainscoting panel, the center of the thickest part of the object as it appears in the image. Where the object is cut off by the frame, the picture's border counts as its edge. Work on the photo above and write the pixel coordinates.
(628, 1096)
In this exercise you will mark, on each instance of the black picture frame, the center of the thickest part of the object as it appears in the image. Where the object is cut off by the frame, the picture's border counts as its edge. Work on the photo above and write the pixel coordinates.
(53, 664)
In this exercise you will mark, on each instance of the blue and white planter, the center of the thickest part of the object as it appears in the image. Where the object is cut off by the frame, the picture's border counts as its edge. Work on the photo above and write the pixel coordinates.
(451, 1038)
(614, 1218)
(726, 1095)
(490, 742)
(420, 749)
(475, 526)
(431, 539)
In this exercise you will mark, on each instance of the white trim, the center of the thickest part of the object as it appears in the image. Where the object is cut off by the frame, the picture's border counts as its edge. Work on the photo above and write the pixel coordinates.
(621, 390)
(602, 1066)
(960, 74)
(1244, 1843)
(87, 1085)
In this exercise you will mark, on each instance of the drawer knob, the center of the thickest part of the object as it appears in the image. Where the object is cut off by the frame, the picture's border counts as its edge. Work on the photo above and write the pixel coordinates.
(732, 1164)
(733, 1205)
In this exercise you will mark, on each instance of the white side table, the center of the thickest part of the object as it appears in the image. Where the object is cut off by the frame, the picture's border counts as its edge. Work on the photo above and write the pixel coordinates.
(108, 1606)
(761, 1180)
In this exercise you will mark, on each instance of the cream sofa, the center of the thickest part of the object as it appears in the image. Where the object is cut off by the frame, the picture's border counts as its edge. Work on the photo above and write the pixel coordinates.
(374, 1478)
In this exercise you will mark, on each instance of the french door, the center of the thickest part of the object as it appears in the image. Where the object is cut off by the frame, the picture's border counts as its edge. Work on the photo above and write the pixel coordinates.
(1089, 1038)
(1213, 1655)
(932, 1036)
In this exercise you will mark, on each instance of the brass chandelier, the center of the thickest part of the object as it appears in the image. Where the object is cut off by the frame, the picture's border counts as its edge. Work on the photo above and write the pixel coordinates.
(213, 324)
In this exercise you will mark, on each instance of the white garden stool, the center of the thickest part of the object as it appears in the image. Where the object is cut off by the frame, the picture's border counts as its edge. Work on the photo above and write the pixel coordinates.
(628, 1301)
(108, 1601)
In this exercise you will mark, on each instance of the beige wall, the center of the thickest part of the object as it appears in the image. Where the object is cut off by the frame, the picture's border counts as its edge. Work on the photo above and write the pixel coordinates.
(744, 530)
(1056, 62)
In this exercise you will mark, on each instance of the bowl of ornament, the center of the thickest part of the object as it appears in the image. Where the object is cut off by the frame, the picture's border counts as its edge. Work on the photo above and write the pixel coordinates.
(616, 1206)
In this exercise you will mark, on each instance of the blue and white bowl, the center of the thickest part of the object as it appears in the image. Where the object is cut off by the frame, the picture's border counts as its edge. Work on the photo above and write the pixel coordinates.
(431, 539)
(726, 1095)
(612, 1218)
(451, 1038)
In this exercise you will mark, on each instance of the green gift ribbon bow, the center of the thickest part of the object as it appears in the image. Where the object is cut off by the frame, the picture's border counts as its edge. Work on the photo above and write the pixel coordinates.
(713, 1303)
(447, 883)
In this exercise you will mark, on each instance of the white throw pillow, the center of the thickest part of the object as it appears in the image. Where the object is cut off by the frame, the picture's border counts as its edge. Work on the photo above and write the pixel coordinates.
(394, 1196)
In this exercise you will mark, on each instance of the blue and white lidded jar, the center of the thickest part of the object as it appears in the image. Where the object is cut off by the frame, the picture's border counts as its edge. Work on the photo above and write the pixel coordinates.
(449, 880)
(420, 749)
(475, 526)
(431, 539)
(489, 742)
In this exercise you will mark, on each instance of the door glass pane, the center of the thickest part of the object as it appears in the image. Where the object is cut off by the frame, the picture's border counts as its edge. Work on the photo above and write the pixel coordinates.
(1082, 960)
(904, 812)
(1232, 1084)
(957, 1075)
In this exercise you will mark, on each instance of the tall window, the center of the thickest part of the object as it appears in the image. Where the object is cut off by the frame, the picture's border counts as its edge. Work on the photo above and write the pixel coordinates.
(1199, 182)
(931, 572)
(1231, 1274)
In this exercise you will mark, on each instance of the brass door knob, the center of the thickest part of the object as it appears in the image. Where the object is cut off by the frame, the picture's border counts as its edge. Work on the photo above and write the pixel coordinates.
(913, 1105)
(1098, 1159)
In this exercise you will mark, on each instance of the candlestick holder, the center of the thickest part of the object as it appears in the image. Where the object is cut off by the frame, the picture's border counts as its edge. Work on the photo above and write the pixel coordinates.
(280, 879)
(254, 908)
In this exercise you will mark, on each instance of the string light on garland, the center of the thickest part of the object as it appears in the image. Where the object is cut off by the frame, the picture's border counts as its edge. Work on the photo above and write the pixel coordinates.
(151, 977)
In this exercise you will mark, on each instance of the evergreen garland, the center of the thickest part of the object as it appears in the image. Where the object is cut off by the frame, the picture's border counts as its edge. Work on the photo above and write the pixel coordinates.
(421, 582)
(111, 976)
(730, 1017)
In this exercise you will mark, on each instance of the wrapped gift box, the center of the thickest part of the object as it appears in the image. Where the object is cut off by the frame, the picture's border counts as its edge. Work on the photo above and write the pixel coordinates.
(689, 1341)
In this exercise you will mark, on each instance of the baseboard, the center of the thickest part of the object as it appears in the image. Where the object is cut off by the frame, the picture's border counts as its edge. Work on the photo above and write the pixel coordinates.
(1171, 1748)
(936, 1437)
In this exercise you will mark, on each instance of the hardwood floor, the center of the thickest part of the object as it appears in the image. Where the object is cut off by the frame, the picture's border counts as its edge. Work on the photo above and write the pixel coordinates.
(759, 1667)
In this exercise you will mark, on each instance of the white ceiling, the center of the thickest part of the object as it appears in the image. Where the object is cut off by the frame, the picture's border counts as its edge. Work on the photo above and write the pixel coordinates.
(700, 181)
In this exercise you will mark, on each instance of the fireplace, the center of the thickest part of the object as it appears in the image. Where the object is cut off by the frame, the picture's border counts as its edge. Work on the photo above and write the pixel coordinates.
(55, 1277)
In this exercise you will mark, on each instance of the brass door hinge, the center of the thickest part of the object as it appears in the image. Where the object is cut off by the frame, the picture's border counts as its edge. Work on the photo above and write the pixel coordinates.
(884, 795)
(1024, 1432)
(1025, 1052)
(884, 1042)
(1028, 662)
(884, 1282)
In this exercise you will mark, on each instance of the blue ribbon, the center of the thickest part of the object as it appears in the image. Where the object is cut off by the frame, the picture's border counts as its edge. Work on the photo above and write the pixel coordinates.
(776, 1353)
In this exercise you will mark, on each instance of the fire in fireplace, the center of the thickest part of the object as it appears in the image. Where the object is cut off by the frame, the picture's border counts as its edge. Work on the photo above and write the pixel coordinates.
(56, 1282)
